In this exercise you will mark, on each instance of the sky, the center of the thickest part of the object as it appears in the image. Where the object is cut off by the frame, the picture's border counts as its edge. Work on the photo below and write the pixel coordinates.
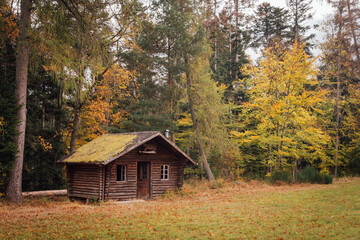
(322, 10)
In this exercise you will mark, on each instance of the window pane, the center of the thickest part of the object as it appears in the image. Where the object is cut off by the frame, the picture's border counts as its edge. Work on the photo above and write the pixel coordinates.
(121, 173)
(164, 172)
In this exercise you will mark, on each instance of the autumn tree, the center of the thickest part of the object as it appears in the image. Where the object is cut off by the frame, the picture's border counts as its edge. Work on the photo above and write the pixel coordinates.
(103, 112)
(341, 73)
(281, 118)
(207, 110)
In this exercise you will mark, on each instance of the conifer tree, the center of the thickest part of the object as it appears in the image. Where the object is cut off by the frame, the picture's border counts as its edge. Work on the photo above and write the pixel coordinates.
(300, 13)
(271, 26)
(14, 185)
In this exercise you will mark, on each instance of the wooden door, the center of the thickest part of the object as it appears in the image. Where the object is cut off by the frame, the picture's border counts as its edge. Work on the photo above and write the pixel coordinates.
(143, 180)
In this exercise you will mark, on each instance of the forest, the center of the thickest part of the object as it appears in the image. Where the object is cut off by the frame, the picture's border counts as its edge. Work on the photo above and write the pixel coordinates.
(73, 70)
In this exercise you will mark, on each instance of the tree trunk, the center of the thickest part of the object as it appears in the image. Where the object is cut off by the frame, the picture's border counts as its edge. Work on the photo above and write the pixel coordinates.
(296, 37)
(75, 128)
(14, 185)
(170, 81)
(215, 36)
(237, 39)
(203, 157)
(337, 100)
(230, 45)
(352, 27)
(337, 119)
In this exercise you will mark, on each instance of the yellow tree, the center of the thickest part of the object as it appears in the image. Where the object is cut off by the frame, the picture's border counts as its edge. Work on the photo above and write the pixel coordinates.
(207, 111)
(281, 117)
(101, 110)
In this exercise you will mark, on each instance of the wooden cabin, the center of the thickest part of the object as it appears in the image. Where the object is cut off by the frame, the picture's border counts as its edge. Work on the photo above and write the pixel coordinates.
(125, 166)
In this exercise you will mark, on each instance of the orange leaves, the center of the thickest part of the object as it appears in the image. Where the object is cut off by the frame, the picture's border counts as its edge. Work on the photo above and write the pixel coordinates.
(102, 109)
(45, 144)
(2, 124)
(8, 22)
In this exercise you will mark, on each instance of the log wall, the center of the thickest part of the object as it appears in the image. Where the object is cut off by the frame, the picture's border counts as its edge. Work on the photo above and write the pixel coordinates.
(127, 190)
(84, 181)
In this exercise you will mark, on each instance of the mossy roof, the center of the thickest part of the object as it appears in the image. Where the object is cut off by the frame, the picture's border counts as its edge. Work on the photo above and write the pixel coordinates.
(109, 147)
(101, 149)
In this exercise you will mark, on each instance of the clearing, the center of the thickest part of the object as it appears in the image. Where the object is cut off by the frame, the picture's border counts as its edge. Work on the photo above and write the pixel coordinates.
(236, 211)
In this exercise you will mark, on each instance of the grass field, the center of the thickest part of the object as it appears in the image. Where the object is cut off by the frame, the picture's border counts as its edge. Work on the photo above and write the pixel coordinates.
(236, 211)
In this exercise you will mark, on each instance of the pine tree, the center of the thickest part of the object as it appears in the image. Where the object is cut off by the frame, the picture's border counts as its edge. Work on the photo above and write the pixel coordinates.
(271, 26)
(14, 185)
(8, 109)
(301, 12)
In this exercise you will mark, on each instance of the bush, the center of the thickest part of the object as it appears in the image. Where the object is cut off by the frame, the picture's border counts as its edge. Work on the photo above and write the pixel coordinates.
(280, 176)
(310, 175)
(327, 179)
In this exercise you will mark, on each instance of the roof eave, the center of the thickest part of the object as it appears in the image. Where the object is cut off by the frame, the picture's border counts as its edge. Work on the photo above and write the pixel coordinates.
(156, 134)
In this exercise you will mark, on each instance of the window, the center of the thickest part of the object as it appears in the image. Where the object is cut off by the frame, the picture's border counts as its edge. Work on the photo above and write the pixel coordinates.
(121, 173)
(164, 172)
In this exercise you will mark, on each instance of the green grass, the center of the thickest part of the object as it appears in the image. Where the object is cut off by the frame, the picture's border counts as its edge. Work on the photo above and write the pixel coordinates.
(236, 211)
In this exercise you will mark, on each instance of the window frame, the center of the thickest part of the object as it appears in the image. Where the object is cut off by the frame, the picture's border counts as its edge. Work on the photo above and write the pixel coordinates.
(123, 169)
(165, 176)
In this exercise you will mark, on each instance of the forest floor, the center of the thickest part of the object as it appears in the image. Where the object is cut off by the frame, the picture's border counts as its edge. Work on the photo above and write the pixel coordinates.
(241, 210)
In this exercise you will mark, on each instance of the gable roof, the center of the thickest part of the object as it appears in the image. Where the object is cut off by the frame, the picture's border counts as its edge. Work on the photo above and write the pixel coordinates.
(109, 147)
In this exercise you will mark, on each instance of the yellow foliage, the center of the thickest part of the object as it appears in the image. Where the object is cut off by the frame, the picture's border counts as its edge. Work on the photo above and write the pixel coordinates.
(45, 144)
(281, 115)
(185, 121)
(101, 110)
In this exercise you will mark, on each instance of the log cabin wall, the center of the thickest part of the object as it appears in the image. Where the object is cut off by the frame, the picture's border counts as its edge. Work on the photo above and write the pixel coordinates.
(121, 190)
(176, 172)
(126, 190)
(83, 181)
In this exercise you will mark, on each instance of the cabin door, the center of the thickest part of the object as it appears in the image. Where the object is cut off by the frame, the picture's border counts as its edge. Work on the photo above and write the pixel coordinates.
(143, 180)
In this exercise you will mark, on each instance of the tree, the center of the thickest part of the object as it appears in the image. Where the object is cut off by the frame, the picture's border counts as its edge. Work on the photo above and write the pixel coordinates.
(79, 37)
(341, 72)
(300, 13)
(103, 111)
(281, 117)
(229, 37)
(14, 185)
(46, 119)
(206, 107)
(8, 109)
(271, 26)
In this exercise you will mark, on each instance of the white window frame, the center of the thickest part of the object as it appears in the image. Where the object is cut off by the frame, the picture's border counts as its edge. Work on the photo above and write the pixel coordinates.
(122, 168)
(165, 172)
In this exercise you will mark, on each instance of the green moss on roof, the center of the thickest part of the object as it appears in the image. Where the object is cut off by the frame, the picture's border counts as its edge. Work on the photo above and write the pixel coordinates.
(101, 149)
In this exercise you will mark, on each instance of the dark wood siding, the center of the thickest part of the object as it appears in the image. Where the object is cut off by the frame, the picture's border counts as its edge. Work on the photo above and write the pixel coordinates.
(176, 170)
(120, 190)
(86, 181)
(83, 181)
(127, 190)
